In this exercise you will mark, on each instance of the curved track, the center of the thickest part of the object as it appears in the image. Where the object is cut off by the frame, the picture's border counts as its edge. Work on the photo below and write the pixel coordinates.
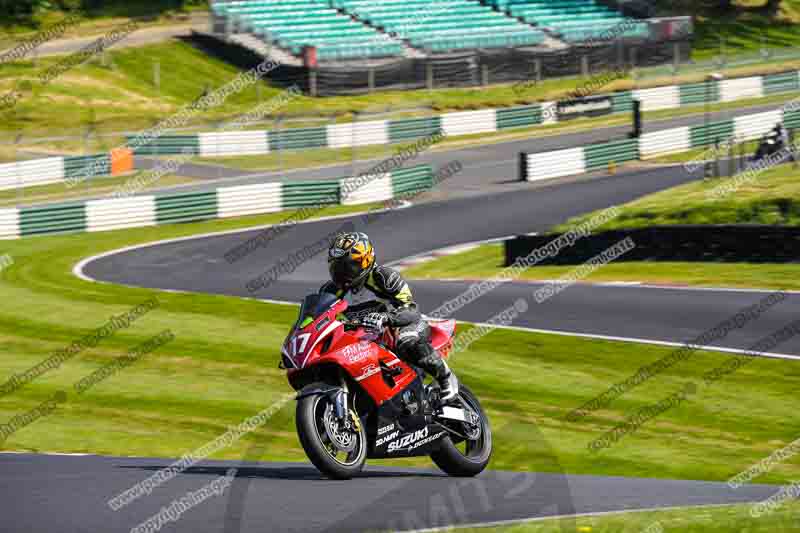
(70, 492)
(69, 495)
(671, 315)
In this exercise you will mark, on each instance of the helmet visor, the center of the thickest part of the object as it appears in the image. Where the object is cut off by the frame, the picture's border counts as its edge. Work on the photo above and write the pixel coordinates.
(344, 271)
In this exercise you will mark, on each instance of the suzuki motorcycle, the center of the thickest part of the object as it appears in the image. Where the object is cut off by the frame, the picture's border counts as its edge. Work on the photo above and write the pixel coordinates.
(357, 400)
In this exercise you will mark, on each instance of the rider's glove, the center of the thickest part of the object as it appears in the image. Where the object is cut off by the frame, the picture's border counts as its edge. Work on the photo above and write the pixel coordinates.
(375, 320)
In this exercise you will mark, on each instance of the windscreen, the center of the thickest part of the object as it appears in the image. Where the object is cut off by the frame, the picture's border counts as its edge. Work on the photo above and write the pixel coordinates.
(313, 306)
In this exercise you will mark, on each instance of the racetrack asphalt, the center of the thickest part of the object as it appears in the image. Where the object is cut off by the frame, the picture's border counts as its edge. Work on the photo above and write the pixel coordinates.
(673, 315)
(488, 168)
(69, 494)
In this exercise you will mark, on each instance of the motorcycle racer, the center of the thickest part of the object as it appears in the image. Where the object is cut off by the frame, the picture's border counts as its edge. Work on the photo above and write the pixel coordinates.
(352, 266)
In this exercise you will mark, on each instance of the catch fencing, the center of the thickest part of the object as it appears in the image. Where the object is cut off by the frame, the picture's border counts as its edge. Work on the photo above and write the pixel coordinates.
(382, 132)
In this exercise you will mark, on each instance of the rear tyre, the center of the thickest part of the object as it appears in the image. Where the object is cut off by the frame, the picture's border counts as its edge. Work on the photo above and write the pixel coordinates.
(322, 437)
(476, 454)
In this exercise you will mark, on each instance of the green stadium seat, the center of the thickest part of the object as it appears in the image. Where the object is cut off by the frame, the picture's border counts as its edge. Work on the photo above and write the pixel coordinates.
(443, 25)
(572, 20)
(295, 24)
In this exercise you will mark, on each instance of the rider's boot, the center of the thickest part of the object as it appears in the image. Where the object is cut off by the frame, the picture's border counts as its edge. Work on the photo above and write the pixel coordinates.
(434, 365)
(448, 384)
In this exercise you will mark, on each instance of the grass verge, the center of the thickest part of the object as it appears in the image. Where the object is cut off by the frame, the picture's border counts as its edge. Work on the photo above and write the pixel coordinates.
(87, 97)
(221, 368)
(57, 192)
(716, 519)
(769, 198)
(486, 261)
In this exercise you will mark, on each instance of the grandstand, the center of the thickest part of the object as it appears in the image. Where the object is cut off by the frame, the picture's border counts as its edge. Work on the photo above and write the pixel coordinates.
(349, 46)
(443, 25)
(295, 24)
(353, 29)
(575, 20)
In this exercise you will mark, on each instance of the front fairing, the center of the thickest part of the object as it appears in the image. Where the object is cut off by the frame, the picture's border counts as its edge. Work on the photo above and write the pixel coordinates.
(316, 321)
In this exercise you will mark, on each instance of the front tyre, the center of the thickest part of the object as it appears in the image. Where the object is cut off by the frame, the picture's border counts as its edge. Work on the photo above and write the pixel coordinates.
(467, 457)
(337, 451)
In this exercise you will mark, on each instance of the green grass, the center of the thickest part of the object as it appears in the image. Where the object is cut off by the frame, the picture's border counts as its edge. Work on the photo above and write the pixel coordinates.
(88, 96)
(98, 20)
(710, 519)
(221, 368)
(708, 152)
(486, 261)
(57, 192)
(772, 197)
(746, 28)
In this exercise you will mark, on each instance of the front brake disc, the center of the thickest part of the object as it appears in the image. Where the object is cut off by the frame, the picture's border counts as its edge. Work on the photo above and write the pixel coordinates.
(342, 439)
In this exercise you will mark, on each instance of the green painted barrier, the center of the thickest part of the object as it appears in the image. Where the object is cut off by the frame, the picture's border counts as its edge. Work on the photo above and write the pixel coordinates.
(600, 155)
(699, 93)
(306, 193)
(703, 135)
(781, 83)
(187, 207)
(622, 102)
(294, 139)
(413, 128)
(97, 165)
(519, 117)
(52, 219)
(410, 181)
(167, 144)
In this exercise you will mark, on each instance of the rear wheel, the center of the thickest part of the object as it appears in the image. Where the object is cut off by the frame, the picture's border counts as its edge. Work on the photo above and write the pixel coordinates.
(466, 457)
(336, 450)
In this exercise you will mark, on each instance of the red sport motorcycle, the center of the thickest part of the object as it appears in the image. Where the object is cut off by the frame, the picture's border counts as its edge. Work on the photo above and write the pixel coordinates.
(357, 400)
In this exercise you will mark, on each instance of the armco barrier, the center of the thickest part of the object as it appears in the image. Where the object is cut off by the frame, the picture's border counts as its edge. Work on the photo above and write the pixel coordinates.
(76, 167)
(378, 132)
(518, 117)
(665, 142)
(600, 155)
(58, 218)
(570, 161)
(409, 181)
(751, 127)
(781, 83)
(699, 93)
(137, 211)
(31, 173)
(703, 135)
(791, 119)
(9, 224)
(658, 98)
(57, 169)
(233, 143)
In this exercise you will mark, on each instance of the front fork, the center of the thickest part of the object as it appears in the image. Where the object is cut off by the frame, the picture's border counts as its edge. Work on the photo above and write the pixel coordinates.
(340, 401)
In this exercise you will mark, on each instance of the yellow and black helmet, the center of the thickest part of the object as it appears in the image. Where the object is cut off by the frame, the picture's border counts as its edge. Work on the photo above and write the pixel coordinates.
(351, 258)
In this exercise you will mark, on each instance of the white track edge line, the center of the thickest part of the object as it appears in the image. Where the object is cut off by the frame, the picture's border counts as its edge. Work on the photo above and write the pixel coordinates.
(673, 344)
(77, 270)
(497, 523)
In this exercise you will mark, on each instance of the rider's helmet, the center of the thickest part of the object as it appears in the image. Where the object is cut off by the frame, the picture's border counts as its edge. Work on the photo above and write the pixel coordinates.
(351, 258)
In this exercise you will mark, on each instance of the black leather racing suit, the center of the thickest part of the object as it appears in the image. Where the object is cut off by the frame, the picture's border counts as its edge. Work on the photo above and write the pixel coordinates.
(414, 333)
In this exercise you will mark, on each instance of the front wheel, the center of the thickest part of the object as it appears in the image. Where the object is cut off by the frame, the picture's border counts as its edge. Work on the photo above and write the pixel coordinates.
(338, 451)
(473, 458)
